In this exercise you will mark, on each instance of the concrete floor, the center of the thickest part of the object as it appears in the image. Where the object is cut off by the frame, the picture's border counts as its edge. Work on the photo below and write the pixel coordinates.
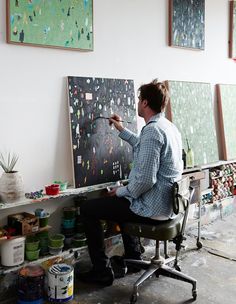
(214, 267)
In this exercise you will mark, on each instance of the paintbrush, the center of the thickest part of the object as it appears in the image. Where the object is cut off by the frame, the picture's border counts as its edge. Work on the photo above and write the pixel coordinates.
(103, 117)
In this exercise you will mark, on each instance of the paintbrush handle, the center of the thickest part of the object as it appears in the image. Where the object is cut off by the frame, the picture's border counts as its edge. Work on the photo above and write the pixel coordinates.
(113, 118)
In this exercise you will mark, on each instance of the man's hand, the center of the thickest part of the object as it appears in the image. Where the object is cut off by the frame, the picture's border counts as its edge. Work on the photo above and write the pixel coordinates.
(116, 121)
(112, 192)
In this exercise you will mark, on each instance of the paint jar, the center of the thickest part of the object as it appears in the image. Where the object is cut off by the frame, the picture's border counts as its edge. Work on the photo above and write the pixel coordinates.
(52, 189)
(63, 185)
(39, 212)
(31, 243)
(43, 245)
(69, 213)
(43, 220)
(190, 158)
(56, 240)
(184, 155)
(79, 200)
(32, 255)
(30, 285)
(79, 240)
(60, 283)
(12, 252)
(68, 223)
(55, 250)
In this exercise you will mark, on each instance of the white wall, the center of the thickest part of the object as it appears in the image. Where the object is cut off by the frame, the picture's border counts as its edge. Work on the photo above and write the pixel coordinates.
(130, 41)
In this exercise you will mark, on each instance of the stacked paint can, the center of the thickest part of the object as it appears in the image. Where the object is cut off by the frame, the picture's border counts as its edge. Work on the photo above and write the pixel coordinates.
(60, 283)
(68, 224)
(30, 285)
(43, 242)
(78, 201)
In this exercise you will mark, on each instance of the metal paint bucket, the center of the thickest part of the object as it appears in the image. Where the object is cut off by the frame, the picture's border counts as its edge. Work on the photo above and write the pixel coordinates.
(30, 285)
(60, 283)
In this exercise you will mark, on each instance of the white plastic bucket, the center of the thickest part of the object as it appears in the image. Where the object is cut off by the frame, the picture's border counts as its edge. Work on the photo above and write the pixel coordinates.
(60, 283)
(12, 252)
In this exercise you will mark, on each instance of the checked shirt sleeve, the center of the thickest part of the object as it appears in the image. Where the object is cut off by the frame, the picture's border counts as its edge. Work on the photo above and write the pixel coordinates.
(146, 167)
(129, 136)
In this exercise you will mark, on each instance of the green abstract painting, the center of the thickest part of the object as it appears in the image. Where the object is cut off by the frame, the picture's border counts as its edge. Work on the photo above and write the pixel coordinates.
(187, 24)
(51, 23)
(232, 40)
(227, 118)
(191, 110)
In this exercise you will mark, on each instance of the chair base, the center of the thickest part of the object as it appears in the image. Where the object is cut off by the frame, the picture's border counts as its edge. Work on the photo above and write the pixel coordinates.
(159, 267)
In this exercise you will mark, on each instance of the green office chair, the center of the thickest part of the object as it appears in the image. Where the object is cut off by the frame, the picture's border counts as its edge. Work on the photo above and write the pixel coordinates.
(172, 230)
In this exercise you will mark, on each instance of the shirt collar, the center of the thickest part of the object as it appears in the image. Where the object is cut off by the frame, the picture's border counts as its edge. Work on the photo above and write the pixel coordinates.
(156, 117)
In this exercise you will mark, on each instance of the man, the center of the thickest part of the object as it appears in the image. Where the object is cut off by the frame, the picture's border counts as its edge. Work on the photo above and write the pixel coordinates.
(157, 164)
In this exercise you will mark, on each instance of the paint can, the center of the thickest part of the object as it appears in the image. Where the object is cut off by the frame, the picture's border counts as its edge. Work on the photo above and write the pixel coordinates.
(12, 251)
(30, 285)
(60, 283)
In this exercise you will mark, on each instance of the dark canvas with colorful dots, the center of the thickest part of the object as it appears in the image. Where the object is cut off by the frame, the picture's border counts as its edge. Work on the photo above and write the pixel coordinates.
(99, 155)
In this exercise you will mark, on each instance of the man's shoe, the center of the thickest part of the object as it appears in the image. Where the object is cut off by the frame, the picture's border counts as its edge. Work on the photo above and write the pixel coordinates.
(119, 266)
(104, 277)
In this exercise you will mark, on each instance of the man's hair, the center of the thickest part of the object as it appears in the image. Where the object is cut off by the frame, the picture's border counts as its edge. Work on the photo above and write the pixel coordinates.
(156, 95)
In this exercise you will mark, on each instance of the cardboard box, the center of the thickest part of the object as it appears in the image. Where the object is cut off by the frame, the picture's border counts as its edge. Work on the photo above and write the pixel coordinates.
(24, 223)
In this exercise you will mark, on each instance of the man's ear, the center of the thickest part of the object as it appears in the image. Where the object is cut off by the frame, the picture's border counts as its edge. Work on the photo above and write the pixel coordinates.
(145, 103)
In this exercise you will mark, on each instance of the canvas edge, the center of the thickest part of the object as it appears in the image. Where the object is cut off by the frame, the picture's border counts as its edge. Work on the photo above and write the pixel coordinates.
(170, 13)
(168, 111)
(221, 122)
(71, 143)
(231, 25)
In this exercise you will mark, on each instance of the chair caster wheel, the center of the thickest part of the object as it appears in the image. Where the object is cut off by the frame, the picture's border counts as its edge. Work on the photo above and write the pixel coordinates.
(134, 298)
(177, 267)
(194, 294)
(199, 245)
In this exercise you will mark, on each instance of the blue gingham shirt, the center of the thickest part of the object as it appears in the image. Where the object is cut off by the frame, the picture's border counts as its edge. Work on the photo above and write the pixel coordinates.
(157, 164)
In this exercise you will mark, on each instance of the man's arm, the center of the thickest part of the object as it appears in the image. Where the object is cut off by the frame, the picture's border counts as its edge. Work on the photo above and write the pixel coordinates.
(125, 134)
(129, 136)
(146, 167)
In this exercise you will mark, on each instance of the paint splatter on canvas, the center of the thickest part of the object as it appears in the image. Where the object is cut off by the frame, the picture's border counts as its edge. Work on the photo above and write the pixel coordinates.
(99, 155)
(191, 110)
(52, 23)
(187, 23)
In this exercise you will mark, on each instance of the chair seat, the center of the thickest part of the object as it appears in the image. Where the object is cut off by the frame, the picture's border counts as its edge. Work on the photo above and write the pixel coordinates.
(162, 231)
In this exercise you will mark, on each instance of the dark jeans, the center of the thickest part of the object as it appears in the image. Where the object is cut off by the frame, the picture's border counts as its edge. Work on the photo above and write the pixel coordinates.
(114, 209)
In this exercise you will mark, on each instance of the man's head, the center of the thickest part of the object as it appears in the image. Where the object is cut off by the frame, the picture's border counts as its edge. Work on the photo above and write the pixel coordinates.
(153, 97)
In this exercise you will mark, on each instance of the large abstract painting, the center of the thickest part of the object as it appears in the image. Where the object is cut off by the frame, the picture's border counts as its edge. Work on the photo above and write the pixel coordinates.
(191, 110)
(99, 155)
(187, 23)
(51, 23)
(226, 94)
(232, 30)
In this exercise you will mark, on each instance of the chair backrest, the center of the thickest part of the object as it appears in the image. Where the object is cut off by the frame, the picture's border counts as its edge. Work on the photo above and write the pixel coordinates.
(181, 195)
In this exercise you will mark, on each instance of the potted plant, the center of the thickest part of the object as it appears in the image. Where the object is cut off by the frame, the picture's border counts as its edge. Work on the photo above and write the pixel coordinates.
(11, 184)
